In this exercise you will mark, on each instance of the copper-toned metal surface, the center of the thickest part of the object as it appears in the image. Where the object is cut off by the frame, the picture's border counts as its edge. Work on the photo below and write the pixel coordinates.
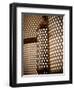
(43, 44)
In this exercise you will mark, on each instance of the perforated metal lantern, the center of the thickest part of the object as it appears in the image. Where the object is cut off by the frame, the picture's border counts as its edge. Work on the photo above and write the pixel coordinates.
(43, 44)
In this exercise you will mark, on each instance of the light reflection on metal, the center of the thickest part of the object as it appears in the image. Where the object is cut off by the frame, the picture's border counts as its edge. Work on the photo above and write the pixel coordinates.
(47, 51)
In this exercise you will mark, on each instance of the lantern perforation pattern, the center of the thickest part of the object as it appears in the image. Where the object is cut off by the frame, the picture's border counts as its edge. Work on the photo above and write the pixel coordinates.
(43, 47)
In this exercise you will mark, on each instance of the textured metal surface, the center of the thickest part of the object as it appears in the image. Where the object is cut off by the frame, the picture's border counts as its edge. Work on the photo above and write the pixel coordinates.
(47, 52)
(30, 26)
(55, 25)
(30, 58)
(42, 51)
